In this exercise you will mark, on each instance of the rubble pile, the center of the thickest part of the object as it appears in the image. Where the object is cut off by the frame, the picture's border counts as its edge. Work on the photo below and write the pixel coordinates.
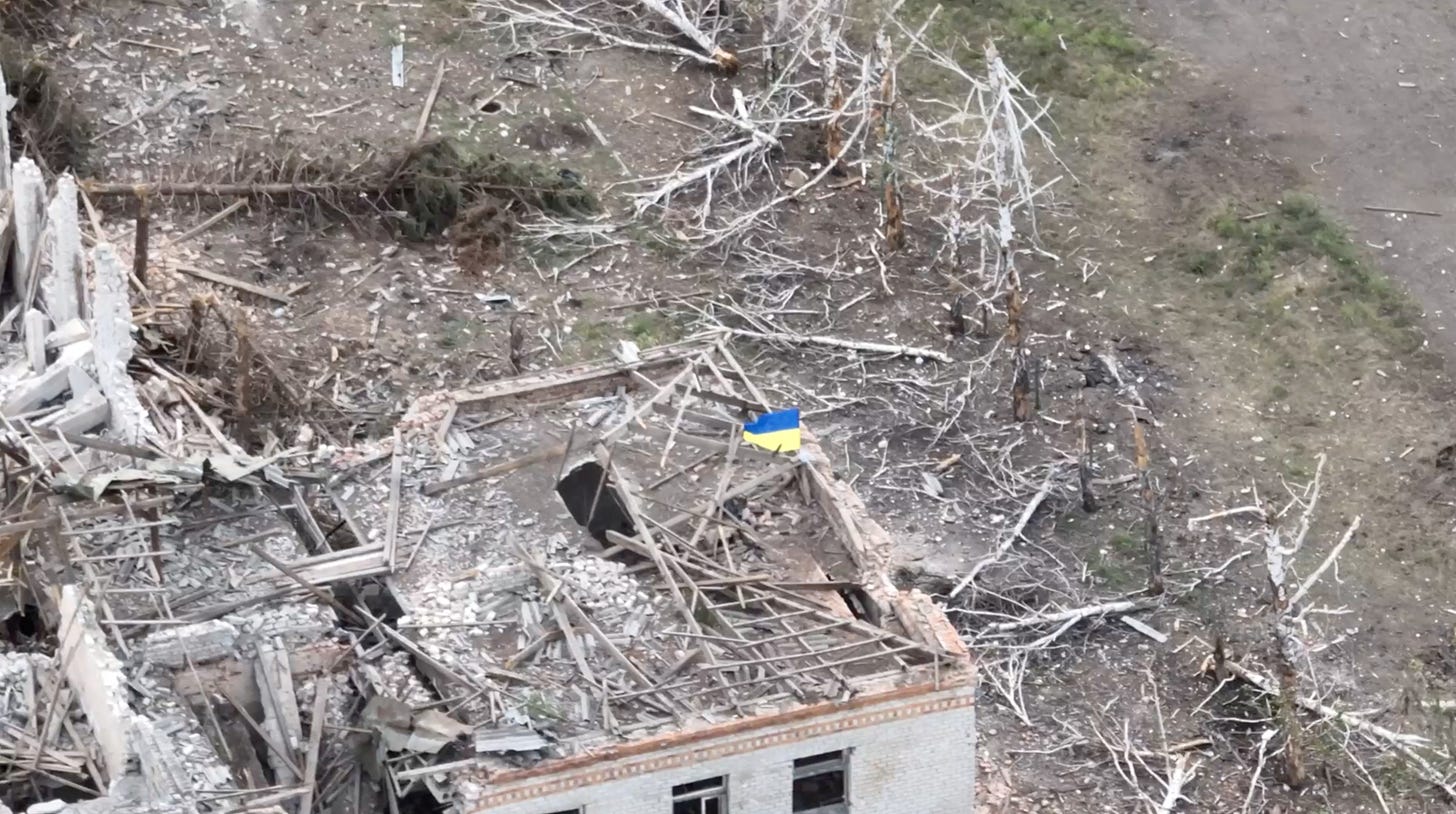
(342, 629)
(599, 584)
(17, 685)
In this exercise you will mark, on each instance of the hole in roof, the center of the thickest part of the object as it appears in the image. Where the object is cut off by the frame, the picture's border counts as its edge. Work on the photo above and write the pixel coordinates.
(593, 502)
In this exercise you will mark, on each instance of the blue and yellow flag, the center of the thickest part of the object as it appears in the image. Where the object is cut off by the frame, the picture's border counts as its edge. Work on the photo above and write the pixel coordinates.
(776, 432)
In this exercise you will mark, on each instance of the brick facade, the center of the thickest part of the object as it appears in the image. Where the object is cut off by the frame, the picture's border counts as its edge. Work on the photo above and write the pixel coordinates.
(907, 755)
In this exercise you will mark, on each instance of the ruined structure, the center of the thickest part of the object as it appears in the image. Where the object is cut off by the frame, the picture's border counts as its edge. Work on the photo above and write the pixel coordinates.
(577, 590)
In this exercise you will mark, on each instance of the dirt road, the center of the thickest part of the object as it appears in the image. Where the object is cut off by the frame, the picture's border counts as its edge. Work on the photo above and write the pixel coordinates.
(1357, 96)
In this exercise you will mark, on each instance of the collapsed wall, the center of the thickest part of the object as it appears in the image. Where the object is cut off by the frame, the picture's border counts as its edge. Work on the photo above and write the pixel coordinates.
(96, 676)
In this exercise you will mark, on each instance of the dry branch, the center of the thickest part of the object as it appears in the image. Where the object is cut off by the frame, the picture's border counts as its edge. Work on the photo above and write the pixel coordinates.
(1010, 539)
(1328, 561)
(846, 344)
(616, 25)
(1075, 615)
(1288, 648)
(1290, 651)
(1407, 745)
(1183, 772)
(420, 188)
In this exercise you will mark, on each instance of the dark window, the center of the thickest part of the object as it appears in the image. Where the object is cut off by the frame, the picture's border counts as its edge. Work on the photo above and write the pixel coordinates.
(708, 796)
(819, 781)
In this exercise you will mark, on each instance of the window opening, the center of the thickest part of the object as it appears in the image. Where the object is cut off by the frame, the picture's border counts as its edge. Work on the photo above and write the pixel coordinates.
(819, 782)
(708, 796)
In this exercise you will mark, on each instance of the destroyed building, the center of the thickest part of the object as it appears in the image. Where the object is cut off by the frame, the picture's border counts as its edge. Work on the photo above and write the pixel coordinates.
(573, 591)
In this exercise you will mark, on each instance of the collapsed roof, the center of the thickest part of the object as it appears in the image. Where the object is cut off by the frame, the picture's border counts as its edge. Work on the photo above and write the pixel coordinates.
(527, 571)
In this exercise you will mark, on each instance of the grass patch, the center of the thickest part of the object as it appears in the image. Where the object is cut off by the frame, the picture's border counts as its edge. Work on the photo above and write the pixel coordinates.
(1079, 49)
(1121, 564)
(456, 333)
(652, 328)
(593, 337)
(1294, 257)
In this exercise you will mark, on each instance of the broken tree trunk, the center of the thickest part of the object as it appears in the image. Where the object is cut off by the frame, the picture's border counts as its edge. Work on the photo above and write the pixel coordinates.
(846, 344)
(1150, 509)
(165, 188)
(1084, 458)
(1288, 648)
(1022, 406)
(894, 216)
(833, 93)
(1407, 744)
(1010, 539)
(725, 60)
(280, 710)
(1022, 401)
(143, 233)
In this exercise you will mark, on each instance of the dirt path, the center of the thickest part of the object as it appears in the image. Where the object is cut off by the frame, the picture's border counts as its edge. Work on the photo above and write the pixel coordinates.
(1330, 82)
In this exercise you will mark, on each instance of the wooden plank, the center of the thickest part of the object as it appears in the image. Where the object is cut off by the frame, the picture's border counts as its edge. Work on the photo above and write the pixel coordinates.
(307, 522)
(103, 444)
(742, 405)
(702, 418)
(83, 514)
(7, 222)
(549, 583)
(783, 470)
(562, 382)
(391, 526)
(276, 682)
(502, 468)
(318, 592)
(322, 689)
(232, 282)
(273, 746)
(573, 646)
(367, 563)
(240, 680)
(347, 514)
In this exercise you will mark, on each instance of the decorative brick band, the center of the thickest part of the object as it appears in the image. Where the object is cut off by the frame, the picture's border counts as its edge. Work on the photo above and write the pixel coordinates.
(825, 725)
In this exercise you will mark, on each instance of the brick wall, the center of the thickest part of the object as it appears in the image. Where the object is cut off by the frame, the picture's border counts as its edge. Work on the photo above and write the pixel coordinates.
(912, 755)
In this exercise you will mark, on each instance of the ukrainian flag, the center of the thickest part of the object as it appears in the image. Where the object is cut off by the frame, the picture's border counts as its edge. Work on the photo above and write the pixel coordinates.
(776, 432)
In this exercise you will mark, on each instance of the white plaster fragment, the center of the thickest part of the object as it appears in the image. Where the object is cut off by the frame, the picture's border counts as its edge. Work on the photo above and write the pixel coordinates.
(29, 215)
(111, 328)
(60, 283)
